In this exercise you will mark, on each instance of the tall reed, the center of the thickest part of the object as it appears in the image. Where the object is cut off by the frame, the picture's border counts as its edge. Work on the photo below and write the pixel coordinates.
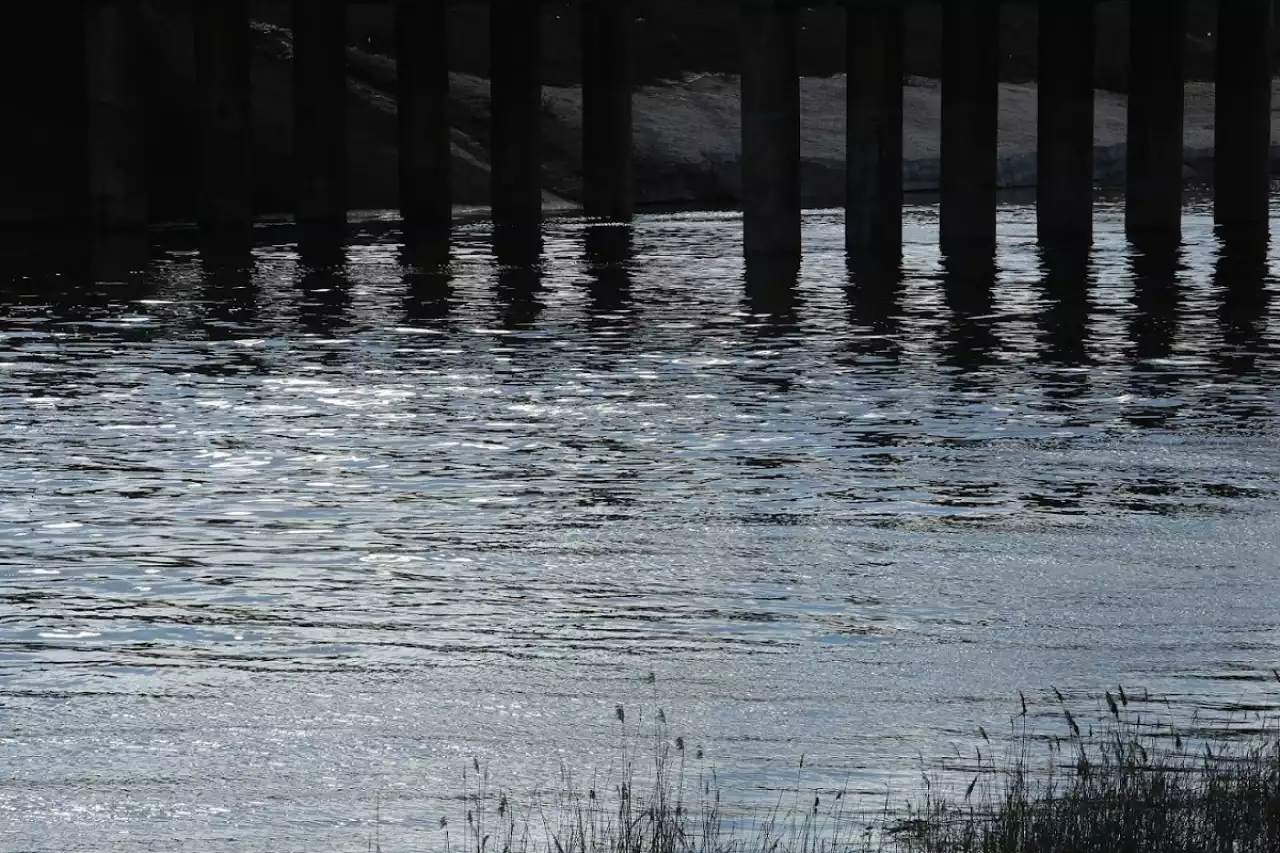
(1107, 780)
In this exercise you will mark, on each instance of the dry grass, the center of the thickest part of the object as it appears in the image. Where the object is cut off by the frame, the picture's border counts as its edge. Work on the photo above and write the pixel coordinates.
(1117, 783)
(1120, 785)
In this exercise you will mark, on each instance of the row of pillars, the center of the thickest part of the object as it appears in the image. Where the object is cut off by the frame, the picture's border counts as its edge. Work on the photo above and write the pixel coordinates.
(222, 47)
(1065, 127)
(770, 118)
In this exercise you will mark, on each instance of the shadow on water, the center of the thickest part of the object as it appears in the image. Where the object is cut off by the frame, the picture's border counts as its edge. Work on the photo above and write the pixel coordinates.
(771, 304)
(1241, 275)
(874, 293)
(771, 298)
(228, 293)
(1155, 266)
(325, 291)
(1067, 282)
(610, 250)
(968, 280)
(96, 276)
(518, 251)
(428, 276)
(1157, 297)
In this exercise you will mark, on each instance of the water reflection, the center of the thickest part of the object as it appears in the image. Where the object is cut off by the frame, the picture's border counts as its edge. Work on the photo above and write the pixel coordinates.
(323, 285)
(428, 277)
(1155, 266)
(776, 482)
(518, 253)
(1242, 278)
(1067, 282)
(228, 294)
(609, 253)
(770, 295)
(968, 280)
(1157, 295)
(873, 292)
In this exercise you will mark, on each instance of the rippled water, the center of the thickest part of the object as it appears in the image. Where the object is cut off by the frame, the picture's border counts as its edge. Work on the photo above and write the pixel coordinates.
(287, 538)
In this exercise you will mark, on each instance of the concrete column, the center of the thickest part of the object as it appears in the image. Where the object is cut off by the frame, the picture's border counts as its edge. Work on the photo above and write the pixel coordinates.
(770, 130)
(223, 116)
(117, 173)
(1154, 168)
(1064, 199)
(319, 111)
(970, 77)
(1242, 126)
(516, 149)
(873, 214)
(426, 151)
(606, 109)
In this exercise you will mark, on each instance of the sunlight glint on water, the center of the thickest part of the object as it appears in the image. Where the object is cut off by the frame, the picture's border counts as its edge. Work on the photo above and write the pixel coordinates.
(281, 547)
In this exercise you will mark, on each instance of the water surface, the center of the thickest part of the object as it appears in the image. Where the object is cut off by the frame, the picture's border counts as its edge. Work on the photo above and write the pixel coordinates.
(291, 532)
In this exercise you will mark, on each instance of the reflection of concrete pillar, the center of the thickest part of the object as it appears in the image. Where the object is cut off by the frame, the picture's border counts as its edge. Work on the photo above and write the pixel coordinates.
(1242, 129)
(428, 279)
(873, 217)
(609, 253)
(516, 150)
(770, 131)
(1064, 200)
(1154, 192)
(422, 61)
(970, 77)
(222, 113)
(319, 111)
(116, 135)
(606, 109)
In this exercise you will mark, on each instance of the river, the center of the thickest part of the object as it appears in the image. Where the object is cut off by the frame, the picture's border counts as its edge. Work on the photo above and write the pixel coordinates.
(288, 538)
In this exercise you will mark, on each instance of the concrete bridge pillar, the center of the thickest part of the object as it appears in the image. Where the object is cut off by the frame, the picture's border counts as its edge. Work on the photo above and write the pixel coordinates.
(117, 173)
(770, 130)
(1242, 126)
(516, 150)
(319, 111)
(970, 78)
(426, 151)
(873, 215)
(606, 109)
(223, 114)
(1154, 157)
(1064, 199)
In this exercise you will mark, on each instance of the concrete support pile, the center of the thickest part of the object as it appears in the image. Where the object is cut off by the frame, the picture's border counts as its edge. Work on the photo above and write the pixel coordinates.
(422, 81)
(770, 131)
(117, 172)
(606, 109)
(873, 218)
(515, 145)
(1064, 129)
(1242, 128)
(970, 78)
(319, 111)
(1154, 167)
(223, 118)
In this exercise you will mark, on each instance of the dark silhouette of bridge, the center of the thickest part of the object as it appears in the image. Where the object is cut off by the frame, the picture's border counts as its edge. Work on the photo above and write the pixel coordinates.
(117, 197)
